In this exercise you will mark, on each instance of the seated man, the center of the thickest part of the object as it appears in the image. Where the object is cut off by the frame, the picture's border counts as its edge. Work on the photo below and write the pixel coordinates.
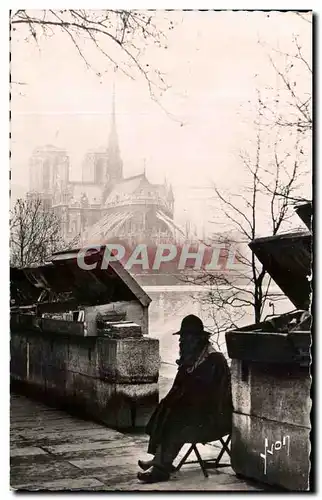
(198, 407)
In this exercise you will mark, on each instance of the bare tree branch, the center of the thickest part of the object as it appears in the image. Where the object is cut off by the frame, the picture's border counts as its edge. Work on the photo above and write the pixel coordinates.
(35, 233)
(272, 179)
(128, 31)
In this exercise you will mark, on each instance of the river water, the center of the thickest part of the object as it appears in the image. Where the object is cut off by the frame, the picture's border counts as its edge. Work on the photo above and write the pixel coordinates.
(167, 312)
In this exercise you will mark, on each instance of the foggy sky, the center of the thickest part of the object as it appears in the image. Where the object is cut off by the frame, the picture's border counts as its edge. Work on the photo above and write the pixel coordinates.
(210, 63)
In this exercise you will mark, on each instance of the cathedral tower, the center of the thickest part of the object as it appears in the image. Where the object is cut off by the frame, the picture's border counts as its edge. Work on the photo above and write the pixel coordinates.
(48, 172)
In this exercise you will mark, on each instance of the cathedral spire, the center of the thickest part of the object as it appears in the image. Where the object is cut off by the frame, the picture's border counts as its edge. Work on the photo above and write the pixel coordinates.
(113, 108)
(113, 137)
(115, 164)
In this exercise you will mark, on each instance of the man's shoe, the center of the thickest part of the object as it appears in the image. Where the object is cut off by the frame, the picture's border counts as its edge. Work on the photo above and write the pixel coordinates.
(154, 475)
(145, 465)
(149, 463)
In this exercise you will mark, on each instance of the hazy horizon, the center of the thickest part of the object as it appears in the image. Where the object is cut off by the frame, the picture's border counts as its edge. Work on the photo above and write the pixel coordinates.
(213, 64)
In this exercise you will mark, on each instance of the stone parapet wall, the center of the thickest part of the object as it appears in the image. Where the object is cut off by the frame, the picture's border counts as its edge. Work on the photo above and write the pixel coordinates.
(271, 423)
(114, 381)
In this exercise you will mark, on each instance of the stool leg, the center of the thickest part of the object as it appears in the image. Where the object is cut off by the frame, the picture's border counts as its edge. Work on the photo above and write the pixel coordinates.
(223, 450)
(201, 462)
(182, 461)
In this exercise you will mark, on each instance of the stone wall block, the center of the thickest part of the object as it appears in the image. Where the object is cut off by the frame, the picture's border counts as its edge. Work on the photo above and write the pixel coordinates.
(84, 392)
(281, 394)
(82, 359)
(59, 353)
(35, 361)
(142, 399)
(56, 382)
(106, 358)
(274, 453)
(18, 357)
(240, 386)
(111, 380)
(129, 360)
(138, 360)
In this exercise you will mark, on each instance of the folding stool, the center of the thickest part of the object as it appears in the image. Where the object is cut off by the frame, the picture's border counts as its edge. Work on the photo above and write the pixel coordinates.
(213, 463)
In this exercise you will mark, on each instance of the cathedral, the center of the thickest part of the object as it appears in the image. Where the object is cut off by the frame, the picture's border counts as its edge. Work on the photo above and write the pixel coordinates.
(104, 205)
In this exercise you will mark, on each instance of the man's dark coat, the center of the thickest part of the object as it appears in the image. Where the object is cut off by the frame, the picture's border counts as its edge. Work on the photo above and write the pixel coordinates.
(198, 407)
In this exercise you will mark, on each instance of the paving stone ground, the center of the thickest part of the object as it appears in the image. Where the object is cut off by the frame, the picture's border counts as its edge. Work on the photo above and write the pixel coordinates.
(51, 450)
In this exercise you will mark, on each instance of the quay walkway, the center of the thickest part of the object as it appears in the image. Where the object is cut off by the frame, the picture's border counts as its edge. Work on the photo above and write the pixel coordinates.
(52, 450)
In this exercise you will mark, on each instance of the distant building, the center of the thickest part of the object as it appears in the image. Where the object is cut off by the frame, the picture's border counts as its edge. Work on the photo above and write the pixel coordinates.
(104, 204)
(48, 173)
(106, 207)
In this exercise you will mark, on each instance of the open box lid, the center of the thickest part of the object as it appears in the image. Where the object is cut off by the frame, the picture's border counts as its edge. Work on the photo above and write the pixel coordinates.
(63, 277)
(288, 260)
(305, 212)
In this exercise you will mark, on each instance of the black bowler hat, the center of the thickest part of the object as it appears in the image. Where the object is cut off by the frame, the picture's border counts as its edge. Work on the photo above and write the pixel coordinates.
(191, 324)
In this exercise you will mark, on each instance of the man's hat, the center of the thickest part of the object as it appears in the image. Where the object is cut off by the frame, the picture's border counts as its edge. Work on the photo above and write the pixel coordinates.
(191, 324)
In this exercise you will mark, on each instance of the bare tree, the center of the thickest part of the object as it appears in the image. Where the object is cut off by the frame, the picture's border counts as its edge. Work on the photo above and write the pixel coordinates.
(271, 179)
(293, 100)
(121, 36)
(273, 183)
(292, 110)
(35, 233)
